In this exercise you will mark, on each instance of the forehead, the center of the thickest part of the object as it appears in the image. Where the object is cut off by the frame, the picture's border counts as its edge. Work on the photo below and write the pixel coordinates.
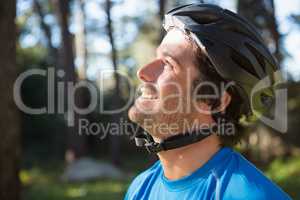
(177, 45)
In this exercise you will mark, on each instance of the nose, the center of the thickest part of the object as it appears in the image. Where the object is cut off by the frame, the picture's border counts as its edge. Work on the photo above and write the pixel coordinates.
(151, 71)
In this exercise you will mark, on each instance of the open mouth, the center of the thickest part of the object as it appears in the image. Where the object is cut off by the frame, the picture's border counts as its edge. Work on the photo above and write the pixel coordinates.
(147, 96)
(148, 93)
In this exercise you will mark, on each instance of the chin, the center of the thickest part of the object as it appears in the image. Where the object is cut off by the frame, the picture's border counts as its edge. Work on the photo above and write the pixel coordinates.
(132, 114)
(135, 115)
(142, 119)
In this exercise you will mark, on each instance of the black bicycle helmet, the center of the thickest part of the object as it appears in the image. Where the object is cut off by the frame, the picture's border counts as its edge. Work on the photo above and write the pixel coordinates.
(235, 49)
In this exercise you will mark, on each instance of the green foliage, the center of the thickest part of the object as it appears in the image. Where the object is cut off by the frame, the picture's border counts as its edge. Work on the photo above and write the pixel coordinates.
(42, 184)
(286, 173)
(33, 57)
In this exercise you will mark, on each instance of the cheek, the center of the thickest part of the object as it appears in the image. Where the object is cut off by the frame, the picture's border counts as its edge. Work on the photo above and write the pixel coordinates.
(175, 84)
(172, 93)
(168, 85)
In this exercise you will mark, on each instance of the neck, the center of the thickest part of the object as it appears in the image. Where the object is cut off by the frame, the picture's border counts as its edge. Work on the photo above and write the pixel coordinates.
(183, 161)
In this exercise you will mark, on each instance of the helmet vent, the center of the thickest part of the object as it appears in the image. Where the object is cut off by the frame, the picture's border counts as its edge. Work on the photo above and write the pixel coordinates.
(243, 62)
(257, 55)
(242, 32)
(205, 18)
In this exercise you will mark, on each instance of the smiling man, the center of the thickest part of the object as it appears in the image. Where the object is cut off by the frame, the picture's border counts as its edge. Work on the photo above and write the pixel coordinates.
(194, 94)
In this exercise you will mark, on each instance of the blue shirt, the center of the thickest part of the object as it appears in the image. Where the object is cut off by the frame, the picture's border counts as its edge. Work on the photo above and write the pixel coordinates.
(227, 175)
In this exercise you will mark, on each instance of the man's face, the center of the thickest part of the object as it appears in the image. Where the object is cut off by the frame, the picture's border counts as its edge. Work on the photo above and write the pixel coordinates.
(166, 88)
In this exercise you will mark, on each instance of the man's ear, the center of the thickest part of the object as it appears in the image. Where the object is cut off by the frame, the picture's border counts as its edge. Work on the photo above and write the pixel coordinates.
(225, 101)
(207, 109)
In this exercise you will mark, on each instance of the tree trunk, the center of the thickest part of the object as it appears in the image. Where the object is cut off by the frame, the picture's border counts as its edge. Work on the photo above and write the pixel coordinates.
(10, 121)
(76, 144)
(80, 37)
(114, 139)
(47, 31)
(262, 14)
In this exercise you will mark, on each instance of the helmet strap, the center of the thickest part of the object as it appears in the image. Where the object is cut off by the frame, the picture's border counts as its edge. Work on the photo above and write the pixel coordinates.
(173, 142)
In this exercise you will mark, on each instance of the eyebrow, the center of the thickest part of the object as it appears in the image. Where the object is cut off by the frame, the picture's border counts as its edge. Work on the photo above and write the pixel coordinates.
(165, 53)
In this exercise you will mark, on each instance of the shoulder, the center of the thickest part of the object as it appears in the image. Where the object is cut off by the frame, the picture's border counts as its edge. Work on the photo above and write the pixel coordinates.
(248, 182)
(141, 181)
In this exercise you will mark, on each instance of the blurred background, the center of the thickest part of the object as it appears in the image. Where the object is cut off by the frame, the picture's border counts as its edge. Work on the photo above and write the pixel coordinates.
(41, 157)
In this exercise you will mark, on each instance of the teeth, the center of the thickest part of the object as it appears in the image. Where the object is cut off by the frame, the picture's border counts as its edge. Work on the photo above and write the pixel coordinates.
(146, 96)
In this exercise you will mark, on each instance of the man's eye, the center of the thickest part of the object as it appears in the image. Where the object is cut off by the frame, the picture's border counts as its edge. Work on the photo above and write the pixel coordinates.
(168, 66)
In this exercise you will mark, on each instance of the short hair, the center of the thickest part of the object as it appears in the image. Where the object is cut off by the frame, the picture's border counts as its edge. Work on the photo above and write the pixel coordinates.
(233, 112)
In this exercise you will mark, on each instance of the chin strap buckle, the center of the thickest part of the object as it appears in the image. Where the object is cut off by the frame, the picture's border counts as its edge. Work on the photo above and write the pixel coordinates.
(151, 146)
(154, 147)
(146, 140)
